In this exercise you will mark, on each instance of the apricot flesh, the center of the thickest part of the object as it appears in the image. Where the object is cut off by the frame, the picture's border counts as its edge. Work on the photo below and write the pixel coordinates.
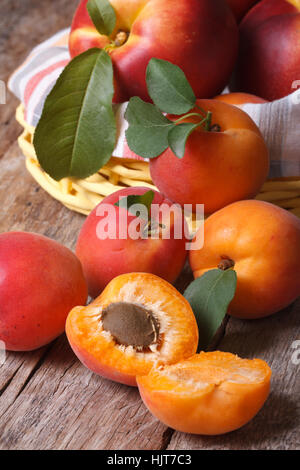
(107, 352)
(40, 281)
(209, 393)
(263, 241)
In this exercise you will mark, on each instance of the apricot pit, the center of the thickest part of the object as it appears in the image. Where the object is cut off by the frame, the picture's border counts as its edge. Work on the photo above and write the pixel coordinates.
(131, 324)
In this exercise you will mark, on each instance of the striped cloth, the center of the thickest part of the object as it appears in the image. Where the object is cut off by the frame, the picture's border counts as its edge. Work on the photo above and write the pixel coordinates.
(279, 121)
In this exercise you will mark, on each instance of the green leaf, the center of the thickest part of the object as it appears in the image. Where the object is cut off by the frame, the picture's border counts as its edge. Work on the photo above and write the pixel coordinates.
(178, 136)
(145, 199)
(147, 134)
(102, 15)
(169, 88)
(77, 130)
(209, 297)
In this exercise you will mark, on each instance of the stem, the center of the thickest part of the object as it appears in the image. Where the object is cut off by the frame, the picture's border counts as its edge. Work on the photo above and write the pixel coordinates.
(226, 263)
(208, 121)
(187, 116)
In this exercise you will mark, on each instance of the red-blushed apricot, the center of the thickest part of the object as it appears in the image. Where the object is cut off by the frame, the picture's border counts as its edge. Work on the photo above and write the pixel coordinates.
(40, 281)
(178, 31)
(105, 258)
(218, 167)
(209, 393)
(262, 242)
(240, 98)
(139, 320)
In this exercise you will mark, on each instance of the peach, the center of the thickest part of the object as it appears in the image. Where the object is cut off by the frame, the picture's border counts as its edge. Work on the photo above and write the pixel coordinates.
(269, 56)
(219, 167)
(240, 98)
(40, 281)
(139, 320)
(262, 242)
(200, 36)
(240, 7)
(110, 255)
(209, 393)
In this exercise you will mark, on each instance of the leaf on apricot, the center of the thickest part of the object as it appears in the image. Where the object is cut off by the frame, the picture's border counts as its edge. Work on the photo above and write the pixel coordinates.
(178, 136)
(145, 199)
(102, 15)
(209, 297)
(168, 87)
(77, 130)
(147, 134)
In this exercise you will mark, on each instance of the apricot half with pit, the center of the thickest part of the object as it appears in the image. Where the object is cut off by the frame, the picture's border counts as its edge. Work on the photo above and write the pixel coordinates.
(209, 393)
(139, 320)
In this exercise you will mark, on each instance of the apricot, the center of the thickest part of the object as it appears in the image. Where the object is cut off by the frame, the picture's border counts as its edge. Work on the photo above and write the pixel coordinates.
(209, 393)
(240, 98)
(139, 320)
(40, 281)
(262, 243)
(105, 257)
(219, 166)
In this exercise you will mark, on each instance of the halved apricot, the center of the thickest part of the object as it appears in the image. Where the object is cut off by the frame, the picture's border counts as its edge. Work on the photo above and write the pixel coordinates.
(138, 321)
(209, 393)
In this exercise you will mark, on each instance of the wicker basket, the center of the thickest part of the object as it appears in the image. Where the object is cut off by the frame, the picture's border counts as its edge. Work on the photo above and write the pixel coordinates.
(82, 195)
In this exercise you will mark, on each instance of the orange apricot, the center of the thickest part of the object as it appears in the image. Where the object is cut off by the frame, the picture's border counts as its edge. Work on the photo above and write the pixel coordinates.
(139, 320)
(240, 98)
(209, 393)
(262, 242)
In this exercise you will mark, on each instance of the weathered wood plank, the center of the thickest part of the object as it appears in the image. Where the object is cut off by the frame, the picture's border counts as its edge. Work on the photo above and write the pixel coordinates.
(23, 25)
(63, 405)
(277, 424)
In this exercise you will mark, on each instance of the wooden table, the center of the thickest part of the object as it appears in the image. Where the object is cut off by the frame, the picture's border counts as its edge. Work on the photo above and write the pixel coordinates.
(48, 400)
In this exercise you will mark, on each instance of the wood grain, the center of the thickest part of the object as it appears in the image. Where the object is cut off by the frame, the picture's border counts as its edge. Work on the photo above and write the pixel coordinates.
(48, 400)
(23, 25)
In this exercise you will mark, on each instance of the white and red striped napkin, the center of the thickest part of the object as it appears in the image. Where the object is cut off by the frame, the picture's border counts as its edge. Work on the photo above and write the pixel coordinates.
(279, 121)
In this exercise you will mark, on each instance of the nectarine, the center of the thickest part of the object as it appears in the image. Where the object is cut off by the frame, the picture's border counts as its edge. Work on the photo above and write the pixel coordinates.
(200, 36)
(269, 56)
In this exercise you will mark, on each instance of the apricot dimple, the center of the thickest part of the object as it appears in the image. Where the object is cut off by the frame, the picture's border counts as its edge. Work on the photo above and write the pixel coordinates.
(131, 324)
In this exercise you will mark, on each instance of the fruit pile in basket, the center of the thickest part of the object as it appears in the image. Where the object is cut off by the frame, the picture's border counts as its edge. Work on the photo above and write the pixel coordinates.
(169, 59)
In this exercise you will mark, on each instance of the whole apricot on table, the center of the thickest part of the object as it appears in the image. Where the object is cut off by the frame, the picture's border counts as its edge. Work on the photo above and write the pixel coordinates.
(139, 320)
(237, 98)
(209, 393)
(200, 36)
(116, 251)
(269, 53)
(220, 166)
(40, 281)
(261, 242)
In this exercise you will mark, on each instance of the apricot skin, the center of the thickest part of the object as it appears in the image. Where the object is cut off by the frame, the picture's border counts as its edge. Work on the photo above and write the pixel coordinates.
(218, 168)
(103, 260)
(263, 240)
(240, 98)
(221, 406)
(40, 281)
